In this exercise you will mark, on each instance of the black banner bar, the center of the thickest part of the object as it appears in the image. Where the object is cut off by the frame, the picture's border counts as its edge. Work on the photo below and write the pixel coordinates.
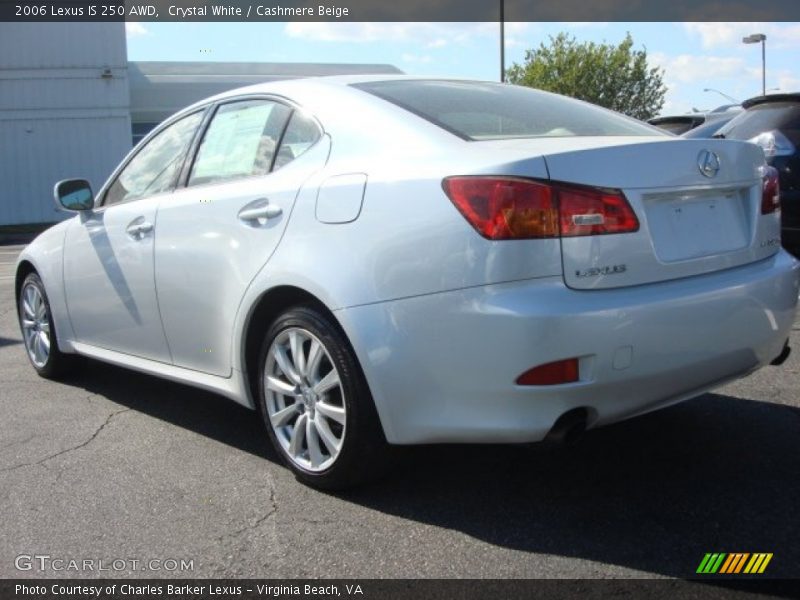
(712, 588)
(410, 10)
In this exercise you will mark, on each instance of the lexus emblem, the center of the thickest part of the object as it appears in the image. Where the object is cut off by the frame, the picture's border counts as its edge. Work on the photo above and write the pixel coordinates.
(708, 163)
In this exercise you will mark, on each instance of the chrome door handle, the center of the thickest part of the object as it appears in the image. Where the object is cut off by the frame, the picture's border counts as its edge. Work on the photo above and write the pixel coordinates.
(138, 228)
(260, 210)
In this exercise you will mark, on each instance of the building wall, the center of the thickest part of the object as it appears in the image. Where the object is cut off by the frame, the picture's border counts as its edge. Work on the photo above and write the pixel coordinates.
(60, 117)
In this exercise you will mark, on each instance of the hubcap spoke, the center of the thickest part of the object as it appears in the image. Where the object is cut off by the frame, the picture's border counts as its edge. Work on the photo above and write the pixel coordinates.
(281, 387)
(37, 348)
(330, 411)
(39, 307)
(315, 354)
(328, 382)
(327, 437)
(45, 341)
(283, 416)
(298, 357)
(298, 435)
(28, 309)
(285, 364)
(312, 439)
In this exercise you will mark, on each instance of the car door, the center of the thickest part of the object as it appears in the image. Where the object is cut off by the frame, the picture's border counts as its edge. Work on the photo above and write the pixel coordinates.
(216, 233)
(108, 254)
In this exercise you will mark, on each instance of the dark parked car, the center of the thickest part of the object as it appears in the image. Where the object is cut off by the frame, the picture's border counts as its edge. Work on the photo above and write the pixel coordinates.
(678, 124)
(773, 122)
(682, 124)
(707, 129)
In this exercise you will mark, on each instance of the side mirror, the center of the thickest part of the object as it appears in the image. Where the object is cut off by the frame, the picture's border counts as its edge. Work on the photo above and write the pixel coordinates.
(74, 195)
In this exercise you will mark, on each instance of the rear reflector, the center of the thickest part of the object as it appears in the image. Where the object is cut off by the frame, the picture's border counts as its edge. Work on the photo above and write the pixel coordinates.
(554, 373)
(770, 195)
(511, 208)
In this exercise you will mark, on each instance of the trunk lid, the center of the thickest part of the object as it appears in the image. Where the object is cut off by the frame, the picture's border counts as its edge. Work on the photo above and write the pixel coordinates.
(690, 223)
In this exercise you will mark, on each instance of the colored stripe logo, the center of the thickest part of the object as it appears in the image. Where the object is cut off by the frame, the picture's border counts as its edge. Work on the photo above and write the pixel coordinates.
(734, 563)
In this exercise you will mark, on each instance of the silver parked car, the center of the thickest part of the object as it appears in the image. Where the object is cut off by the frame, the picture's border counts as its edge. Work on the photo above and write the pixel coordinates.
(386, 260)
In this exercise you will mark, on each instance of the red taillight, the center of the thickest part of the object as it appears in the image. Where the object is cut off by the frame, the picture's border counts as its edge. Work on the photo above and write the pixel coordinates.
(770, 194)
(501, 208)
(508, 208)
(554, 373)
(588, 211)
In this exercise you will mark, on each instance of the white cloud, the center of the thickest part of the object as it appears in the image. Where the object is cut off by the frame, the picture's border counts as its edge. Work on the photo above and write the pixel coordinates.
(135, 29)
(432, 35)
(350, 32)
(787, 82)
(586, 24)
(687, 68)
(712, 35)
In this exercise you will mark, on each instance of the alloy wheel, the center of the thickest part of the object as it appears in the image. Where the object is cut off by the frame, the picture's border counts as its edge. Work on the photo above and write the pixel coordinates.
(305, 399)
(35, 325)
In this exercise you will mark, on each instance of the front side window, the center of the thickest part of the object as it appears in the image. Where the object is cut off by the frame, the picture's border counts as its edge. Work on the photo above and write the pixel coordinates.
(240, 141)
(155, 167)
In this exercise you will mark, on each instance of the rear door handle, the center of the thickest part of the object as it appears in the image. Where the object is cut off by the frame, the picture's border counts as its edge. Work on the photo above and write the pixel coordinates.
(259, 211)
(138, 228)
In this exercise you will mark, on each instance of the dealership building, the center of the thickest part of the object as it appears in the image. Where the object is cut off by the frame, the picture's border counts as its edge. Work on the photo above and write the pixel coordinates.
(71, 105)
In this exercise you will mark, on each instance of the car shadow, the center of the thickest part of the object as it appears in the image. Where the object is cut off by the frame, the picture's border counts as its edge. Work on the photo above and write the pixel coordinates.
(654, 494)
(194, 409)
(4, 341)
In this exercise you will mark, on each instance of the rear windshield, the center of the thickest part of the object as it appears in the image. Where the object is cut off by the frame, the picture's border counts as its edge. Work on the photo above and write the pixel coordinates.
(677, 127)
(783, 116)
(491, 111)
(706, 130)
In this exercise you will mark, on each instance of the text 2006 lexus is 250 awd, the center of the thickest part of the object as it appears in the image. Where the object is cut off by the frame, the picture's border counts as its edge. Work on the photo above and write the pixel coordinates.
(372, 261)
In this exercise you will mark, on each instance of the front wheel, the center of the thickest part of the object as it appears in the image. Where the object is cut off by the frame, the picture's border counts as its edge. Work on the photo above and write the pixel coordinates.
(38, 330)
(316, 405)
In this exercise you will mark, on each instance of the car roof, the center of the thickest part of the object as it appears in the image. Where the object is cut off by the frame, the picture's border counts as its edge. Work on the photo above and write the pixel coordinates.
(322, 82)
(786, 97)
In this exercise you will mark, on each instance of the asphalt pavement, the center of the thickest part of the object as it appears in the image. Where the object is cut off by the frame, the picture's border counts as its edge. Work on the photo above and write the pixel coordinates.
(114, 465)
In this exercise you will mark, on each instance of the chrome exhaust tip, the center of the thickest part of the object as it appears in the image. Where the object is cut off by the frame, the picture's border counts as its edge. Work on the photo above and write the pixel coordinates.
(568, 428)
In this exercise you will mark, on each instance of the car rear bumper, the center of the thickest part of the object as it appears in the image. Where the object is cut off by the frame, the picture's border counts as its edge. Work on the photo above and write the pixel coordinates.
(442, 367)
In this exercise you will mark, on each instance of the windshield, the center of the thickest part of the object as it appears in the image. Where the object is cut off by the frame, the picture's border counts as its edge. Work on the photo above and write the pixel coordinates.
(491, 111)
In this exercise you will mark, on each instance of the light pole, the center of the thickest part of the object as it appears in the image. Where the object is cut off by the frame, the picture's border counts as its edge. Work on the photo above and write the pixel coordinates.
(754, 39)
(724, 95)
(502, 41)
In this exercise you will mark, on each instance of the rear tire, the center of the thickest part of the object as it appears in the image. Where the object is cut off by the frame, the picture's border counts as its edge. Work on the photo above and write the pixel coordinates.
(38, 330)
(315, 402)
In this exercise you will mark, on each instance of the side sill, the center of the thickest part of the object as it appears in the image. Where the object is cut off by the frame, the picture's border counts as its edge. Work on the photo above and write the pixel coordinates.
(230, 387)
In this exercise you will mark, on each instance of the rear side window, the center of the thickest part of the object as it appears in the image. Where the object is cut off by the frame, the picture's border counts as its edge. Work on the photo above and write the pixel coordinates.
(483, 111)
(771, 116)
(301, 133)
(240, 141)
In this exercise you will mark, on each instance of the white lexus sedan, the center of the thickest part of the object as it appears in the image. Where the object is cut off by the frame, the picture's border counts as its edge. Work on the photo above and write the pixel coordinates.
(370, 261)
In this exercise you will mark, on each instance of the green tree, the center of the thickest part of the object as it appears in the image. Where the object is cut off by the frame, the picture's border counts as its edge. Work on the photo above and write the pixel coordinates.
(616, 77)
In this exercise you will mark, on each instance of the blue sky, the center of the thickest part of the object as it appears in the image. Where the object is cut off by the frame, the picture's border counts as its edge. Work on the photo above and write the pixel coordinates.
(694, 56)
